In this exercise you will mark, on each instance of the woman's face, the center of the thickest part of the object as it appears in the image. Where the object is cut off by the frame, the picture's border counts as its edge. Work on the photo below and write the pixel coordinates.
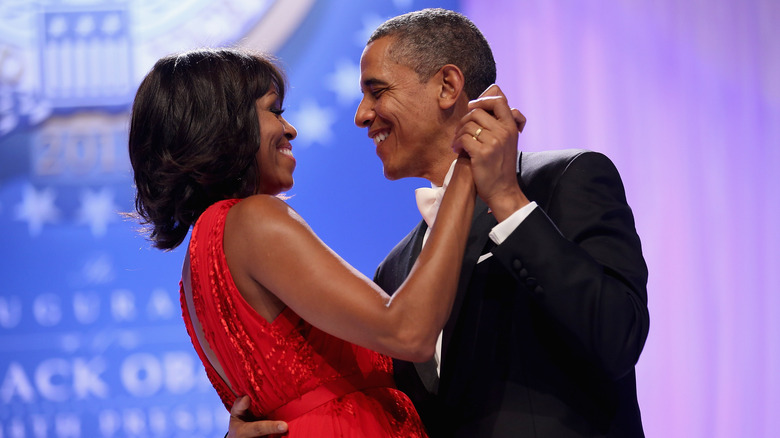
(274, 157)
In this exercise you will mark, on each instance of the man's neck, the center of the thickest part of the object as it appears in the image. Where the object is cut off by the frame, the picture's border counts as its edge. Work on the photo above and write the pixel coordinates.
(440, 169)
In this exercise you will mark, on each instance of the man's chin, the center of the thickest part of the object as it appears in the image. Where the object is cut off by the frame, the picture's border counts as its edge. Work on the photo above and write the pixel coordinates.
(391, 174)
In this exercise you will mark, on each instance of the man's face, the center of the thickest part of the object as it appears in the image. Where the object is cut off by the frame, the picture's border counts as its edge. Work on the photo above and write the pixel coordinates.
(400, 112)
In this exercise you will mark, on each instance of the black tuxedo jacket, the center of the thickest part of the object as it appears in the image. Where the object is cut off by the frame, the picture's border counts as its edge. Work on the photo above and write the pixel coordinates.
(544, 335)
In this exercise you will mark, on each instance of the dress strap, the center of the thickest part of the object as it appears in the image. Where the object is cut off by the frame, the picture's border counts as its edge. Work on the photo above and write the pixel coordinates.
(330, 391)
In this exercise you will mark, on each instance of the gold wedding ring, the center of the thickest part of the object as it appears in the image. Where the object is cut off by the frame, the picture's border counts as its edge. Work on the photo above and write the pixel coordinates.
(476, 134)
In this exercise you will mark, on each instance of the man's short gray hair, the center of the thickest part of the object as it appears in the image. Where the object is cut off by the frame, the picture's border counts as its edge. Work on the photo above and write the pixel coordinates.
(429, 39)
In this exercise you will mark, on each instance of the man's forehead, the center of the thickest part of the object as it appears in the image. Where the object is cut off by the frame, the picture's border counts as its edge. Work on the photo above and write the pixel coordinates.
(372, 64)
(373, 52)
(377, 67)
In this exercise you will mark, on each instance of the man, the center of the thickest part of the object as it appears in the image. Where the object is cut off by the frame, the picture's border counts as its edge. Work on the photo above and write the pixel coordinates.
(551, 313)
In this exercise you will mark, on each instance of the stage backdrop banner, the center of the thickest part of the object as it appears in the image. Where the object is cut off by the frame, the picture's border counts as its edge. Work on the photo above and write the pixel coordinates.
(92, 342)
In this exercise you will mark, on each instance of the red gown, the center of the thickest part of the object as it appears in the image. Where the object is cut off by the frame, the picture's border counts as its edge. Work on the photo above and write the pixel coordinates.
(320, 385)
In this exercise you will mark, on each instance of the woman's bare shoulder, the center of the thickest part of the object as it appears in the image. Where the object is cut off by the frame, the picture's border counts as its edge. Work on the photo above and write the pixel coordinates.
(264, 213)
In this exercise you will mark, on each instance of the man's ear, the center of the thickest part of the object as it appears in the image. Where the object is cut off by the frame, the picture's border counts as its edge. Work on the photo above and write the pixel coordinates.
(452, 83)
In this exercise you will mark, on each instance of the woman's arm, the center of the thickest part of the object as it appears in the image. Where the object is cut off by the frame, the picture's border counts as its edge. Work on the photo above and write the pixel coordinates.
(274, 255)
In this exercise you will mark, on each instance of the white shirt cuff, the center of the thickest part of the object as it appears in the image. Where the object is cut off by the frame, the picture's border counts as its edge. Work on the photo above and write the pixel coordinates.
(501, 231)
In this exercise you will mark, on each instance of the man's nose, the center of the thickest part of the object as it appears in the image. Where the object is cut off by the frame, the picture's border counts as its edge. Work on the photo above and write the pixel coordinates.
(364, 114)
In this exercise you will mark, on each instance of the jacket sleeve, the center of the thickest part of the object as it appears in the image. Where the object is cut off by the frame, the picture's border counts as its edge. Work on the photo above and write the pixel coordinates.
(580, 259)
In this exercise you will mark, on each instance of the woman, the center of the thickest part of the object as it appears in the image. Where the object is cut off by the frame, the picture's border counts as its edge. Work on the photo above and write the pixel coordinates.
(273, 313)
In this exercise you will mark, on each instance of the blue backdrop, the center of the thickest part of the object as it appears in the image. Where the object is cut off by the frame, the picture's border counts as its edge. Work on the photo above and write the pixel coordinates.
(91, 338)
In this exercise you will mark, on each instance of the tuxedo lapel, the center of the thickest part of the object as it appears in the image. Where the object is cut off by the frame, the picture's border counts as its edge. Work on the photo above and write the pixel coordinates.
(481, 224)
(408, 255)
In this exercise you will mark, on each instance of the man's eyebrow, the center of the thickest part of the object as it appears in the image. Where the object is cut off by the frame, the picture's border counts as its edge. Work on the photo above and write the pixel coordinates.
(372, 82)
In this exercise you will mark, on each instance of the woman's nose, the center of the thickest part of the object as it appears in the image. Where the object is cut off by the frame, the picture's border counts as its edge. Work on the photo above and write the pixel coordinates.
(289, 130)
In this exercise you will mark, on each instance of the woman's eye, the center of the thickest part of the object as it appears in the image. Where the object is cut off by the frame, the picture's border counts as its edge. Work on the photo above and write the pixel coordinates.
(277, 111)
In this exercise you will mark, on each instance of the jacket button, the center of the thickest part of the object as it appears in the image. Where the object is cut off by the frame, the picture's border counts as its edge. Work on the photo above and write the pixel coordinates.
(517, 264)
(523, 273)
(538, 290)
(531, 282)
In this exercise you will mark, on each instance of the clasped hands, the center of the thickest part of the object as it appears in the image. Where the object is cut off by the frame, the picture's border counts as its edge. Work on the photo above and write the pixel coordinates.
(488, 134)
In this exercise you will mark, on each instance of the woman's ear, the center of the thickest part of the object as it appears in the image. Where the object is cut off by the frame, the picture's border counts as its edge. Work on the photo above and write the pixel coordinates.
(452, 83)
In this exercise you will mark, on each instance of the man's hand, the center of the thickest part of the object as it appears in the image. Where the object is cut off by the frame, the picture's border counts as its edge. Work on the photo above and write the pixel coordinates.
(239, 428)
(488, 134)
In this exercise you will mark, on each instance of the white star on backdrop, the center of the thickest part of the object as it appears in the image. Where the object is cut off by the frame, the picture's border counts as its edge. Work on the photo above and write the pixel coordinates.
(98, 210)
(313, 123)
(37, 208)
(36, 109)
(345, 82)
(8, 122)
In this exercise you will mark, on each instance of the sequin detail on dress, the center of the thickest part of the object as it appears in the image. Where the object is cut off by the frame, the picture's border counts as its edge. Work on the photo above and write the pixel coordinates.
(280, 362)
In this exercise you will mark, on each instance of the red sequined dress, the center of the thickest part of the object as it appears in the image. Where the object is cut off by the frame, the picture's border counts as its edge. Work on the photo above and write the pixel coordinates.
(320, 385)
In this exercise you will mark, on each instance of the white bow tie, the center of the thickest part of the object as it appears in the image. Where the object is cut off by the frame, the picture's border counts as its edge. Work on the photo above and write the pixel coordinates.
(428, 201)
(429, 198)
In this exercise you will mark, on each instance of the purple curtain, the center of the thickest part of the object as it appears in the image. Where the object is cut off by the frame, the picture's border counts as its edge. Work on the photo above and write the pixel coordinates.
(685, 98)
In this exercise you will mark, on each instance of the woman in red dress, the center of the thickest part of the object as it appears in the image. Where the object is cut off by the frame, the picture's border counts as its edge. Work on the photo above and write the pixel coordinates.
(273, 313)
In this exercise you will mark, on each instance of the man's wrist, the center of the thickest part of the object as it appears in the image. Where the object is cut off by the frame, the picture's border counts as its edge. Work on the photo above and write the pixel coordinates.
(506, 206)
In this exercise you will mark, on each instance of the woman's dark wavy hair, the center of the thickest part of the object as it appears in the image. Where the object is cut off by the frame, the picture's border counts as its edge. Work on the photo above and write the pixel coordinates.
(194, 135)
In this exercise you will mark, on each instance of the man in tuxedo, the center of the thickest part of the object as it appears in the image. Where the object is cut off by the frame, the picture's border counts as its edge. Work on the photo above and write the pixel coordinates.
(551, 312)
